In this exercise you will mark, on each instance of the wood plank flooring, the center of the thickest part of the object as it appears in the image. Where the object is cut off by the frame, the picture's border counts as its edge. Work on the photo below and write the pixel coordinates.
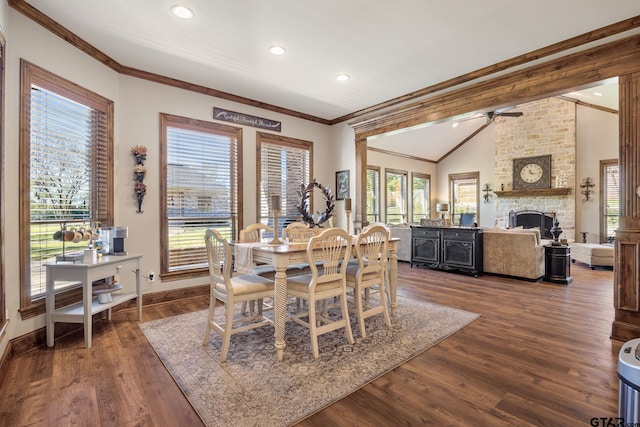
(540, 354)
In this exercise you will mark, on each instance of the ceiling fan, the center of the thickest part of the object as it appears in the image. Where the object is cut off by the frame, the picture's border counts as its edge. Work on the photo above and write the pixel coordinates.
(491, 115)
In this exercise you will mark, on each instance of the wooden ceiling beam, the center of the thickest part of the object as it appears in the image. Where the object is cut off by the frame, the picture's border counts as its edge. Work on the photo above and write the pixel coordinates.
(549, 79)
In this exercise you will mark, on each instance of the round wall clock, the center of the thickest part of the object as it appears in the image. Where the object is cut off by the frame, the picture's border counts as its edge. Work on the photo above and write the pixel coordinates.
(532, 172)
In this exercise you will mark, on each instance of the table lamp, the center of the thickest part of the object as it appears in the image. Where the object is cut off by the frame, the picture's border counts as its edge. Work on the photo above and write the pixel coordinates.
(347, 209)
(442, 208)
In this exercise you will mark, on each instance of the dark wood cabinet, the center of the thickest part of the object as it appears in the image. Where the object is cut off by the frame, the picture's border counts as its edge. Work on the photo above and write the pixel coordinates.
(425, 246)
(447, 248)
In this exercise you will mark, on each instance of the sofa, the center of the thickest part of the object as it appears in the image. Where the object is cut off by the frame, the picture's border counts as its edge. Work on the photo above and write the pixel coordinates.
(593, 254)
(516, 252)
(403, 232)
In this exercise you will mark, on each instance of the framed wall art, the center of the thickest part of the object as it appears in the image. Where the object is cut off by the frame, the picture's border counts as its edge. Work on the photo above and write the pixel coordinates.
(342, 185)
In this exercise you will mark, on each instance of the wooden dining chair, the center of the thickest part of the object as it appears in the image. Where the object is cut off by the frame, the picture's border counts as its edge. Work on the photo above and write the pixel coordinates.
(231, 291)
(370, 272)
(254, 232)
(327, 254)
(292, 226)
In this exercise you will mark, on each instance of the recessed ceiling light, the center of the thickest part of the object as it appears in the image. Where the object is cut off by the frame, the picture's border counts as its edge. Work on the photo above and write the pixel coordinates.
(182, 11)
(277, 50)
(455, 124)
(597, 93)
(343, 77)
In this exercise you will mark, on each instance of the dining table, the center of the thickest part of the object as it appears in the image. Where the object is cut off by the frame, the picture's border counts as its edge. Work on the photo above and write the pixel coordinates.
(284, 254)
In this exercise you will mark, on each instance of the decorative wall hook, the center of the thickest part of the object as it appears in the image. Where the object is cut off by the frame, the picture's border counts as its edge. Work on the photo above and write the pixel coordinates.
(487, 189)
(587, 184)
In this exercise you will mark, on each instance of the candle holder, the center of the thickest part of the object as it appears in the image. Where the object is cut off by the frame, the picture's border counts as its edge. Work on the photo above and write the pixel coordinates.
(587, 185)
(347, 210)
(487, 189)
(275, 210)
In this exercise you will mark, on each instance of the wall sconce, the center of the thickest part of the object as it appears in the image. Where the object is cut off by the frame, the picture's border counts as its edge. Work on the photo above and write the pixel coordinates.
(486, 190)
(587, 184)
(442, 209)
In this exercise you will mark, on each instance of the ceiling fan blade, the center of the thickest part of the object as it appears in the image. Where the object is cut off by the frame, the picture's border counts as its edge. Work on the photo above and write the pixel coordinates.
(514, 114)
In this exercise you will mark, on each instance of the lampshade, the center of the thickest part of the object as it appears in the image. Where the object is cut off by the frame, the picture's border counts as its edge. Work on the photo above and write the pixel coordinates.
(442, 207)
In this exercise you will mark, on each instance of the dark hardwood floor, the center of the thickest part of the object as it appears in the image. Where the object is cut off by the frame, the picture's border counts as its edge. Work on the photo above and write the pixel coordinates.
(540, 354)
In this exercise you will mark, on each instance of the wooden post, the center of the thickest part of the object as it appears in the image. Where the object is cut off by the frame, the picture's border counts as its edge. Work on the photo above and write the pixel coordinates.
(626, 324)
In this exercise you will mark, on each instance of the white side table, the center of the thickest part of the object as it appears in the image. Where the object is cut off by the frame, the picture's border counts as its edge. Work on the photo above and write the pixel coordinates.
(82, 311)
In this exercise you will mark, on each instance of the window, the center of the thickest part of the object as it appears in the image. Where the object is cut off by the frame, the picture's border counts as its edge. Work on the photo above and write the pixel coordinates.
(464, 193)
(396, 196)
(284, 164)
(66, 152)
(420, 196)
(201, 164)
(610, 208)
(373, 194)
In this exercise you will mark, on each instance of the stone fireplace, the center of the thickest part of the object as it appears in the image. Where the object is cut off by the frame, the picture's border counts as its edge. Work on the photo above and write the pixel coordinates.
(548, 126)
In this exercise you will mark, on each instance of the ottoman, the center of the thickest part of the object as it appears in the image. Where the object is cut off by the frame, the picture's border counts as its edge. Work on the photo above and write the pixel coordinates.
(592, 254)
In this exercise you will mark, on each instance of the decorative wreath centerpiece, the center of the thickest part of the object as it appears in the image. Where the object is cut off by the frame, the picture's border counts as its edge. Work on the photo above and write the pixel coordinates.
(305, 204)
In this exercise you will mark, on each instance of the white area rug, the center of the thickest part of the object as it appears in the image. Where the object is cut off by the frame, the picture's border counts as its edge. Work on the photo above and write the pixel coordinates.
(254, 389)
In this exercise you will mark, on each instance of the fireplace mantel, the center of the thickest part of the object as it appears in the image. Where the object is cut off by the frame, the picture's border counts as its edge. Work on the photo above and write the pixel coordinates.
(563, 191)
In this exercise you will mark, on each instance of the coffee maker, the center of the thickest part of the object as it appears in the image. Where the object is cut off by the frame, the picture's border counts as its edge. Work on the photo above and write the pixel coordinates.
(113, 240)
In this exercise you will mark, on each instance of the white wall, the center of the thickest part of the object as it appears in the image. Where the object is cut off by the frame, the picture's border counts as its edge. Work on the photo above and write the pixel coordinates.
(342, 156)
(597, 139)
(476, 155)
(138, 104)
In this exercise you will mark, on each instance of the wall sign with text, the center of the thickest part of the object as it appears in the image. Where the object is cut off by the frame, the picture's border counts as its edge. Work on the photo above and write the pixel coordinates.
(246, 119)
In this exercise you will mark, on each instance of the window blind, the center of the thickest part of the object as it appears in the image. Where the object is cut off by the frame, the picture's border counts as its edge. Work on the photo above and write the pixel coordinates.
(283, 167)
(373, 195)
(611, 200)
(68, 175)
(201, 190)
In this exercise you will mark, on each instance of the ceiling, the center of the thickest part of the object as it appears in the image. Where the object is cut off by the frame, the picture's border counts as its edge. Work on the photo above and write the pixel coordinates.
(433, 141)
(388, 49)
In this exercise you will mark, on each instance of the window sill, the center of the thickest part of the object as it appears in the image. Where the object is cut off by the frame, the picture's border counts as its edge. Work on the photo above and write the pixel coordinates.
(186, 274)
